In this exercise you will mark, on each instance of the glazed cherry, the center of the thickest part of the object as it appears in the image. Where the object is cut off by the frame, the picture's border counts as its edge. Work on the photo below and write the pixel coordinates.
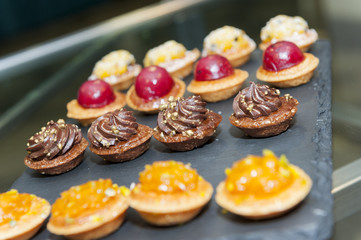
(212, 67)
(95, 94)
(282, 55)
(153, 82)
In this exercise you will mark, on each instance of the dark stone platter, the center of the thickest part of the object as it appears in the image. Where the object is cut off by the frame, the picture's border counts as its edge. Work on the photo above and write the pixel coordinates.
(307, 143)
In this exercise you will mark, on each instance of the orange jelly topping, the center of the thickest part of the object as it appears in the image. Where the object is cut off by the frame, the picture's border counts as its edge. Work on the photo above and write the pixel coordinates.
(168, 177)
(259, 176)
(14, 205)
(82, 203)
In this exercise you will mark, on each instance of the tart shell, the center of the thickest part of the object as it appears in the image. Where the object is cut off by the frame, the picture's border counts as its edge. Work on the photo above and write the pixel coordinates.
(60, 164)
(186, 64)
(220, 89)
(152, 106)
(125, 80)
(269, 207)
(86, 116)
(127, 150)
(238, 58)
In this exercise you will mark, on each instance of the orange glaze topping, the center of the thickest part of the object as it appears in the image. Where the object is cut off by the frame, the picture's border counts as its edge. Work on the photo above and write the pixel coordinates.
(82, 203)
(259, 177)
(14, 205)
(168, 177)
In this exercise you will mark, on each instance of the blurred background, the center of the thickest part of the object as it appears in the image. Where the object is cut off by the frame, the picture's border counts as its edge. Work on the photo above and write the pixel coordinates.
(27, 27)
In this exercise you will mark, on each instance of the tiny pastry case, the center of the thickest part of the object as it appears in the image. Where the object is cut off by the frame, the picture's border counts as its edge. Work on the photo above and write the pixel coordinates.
(307, 144)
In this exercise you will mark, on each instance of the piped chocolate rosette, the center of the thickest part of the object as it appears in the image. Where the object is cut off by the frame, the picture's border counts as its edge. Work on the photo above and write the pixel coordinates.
(185, 123)
(260, 111)
(57, 148)
(117, 137)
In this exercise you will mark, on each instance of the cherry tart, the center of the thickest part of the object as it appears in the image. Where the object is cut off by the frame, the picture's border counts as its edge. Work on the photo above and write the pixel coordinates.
(215, 79)
(21, 215)
(153, 86)
(169, 193)
(286, 28)
(174, 57)
(230, 42)
(89, 211)
(95, 98)
(260, 187)
(285, 65)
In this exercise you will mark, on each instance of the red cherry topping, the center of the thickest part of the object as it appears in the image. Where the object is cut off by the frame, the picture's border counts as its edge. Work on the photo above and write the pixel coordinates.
(212, 67)
(95, 94)
(282, 55)
(153, 82)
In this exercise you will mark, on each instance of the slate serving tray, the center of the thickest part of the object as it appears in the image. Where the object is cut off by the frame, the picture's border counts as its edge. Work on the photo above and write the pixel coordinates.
(307, 143)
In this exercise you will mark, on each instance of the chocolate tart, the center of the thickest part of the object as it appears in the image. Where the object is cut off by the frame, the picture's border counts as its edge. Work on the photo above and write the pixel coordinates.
(48, 156)
(86, 116)
(27, 225)
(152, 106)
(293, 76)
(219, 89)
(116, 136)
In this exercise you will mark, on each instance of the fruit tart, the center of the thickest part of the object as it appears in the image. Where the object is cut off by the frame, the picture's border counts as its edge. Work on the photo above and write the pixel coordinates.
(153, 86)
(118, 68)
(285, 65)
(215, 79)
(286, 28)
(89, 211)
(117, 137)
(57, 148)
(95, 98)
(21, 215)
(260, 187)
(169, 193)
(260, 111)
(185, 123)
(174, 57)
(230, 42)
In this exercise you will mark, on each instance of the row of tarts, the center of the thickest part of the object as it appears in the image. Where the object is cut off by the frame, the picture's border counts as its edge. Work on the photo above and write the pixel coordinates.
(168, 192)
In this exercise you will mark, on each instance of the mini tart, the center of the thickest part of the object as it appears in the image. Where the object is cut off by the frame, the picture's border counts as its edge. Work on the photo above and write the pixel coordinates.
(219, 89)
(293, 76)
(118, 68)
(74, 221)
(174, 57)
(255, 206)
(86, 116)
(152, 106)
(170, 208)
(22, 215)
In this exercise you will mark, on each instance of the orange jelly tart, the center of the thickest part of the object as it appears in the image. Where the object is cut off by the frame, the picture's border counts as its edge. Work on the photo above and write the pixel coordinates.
(174, 57)
(118, 68)
(89, 211)
(21, 215)
(286, 28)
(95, 98)
(117, 137)
(169, 193)
(215, 79)
(285, 65)
(230, 42)
(153, 86)
(259, 187)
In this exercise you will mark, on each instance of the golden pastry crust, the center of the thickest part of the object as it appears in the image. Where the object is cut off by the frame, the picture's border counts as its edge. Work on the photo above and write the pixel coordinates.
(220, 89)
(153, 106)
(28, 224)
(238, 58)
(182, 67)
(170, 209)
(268, 207)
(290, 77)
(86, 116)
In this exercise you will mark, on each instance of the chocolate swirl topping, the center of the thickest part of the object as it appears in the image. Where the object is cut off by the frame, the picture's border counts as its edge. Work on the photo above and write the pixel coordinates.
(55, 139)
(182, 115)
(255, 101)
(112, 127)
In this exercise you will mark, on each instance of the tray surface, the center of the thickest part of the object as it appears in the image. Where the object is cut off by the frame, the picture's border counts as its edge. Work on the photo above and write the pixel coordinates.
(307, 143)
